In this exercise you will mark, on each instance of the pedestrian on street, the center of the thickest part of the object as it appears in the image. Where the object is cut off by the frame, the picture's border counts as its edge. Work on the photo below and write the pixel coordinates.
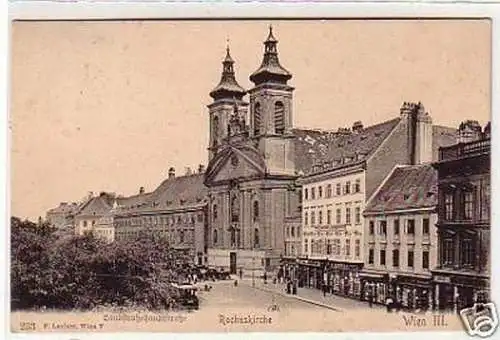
(389, 304)
(324, 290)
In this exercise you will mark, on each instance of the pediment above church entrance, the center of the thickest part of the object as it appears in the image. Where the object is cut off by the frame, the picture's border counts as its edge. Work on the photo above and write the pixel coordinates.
(235, 163)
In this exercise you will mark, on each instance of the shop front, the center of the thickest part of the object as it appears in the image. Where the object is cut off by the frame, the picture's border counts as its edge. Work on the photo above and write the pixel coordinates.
(455, 291)
(412, 292)
(288, 269)
(344, 279)
(310, 273)
(374, 287)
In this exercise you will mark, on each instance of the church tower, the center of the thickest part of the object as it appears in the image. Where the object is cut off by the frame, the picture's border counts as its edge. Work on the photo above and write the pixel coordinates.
(228, 97)
(271, 111)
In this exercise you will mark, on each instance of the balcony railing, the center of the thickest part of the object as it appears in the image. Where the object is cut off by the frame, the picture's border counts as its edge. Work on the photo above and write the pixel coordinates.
(463, 150)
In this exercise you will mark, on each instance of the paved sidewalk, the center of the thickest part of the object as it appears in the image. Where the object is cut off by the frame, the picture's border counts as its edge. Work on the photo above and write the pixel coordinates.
(313, 296)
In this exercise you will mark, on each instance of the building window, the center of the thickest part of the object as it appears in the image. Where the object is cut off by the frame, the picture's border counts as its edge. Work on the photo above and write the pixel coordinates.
(447, 252)
(347, 188)
(313, 218)
(328, 247)
(292, 231)
(357, 248)
(84, 223)
(396, 227)
(181, 236)
(256, 238)
(347, 216)
(313, 193)
(298, 231)
(306, 246)
(306, 218)
(467, 253)
(425, 226)
(425, 259)
(371, 228)
(347, 247)
(256, 119)
(410, 227)
(357, 215)
(410, 258)
(468, 205)
(371, 256)
(255, 211)
(382, 257)
(306, 194)
(337, 246)
(338, 189)
(395, 258)
(279, 118)
(320, 217)
(320, 192)
(214, 208)
(383, 228)
(357, 186)
(338, 216)
(328, 191)
(448, 206)
(328, 217)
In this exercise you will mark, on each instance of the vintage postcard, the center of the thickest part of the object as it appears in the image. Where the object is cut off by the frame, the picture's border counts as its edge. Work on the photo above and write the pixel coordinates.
(251, 176)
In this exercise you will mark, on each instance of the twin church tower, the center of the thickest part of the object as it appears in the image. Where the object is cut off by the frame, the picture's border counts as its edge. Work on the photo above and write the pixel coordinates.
(251, 164)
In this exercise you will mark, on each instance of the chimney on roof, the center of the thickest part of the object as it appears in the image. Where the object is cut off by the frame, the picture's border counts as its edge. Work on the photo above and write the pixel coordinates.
(171, 172)
(201, 168)
(469, 131)
(64, 203)
(419, 132)
(188, 171)
(357, 126)
(141, 190)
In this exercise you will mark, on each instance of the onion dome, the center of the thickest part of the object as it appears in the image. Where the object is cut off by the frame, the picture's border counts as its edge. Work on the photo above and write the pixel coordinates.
(270, 70)
(228, 86)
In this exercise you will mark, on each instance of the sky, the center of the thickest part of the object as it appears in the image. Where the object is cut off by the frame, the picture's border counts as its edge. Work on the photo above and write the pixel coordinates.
(110, 106)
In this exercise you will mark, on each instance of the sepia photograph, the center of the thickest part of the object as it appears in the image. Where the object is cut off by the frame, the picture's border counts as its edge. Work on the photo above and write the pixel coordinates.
(251, 176)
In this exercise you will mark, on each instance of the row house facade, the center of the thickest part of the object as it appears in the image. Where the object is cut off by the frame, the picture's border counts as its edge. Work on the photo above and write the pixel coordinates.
(462, 275)
(176, 211)
(401, 238)
(335, 193)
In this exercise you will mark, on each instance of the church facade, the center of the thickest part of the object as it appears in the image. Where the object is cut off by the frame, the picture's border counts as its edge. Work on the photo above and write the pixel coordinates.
(251, 172)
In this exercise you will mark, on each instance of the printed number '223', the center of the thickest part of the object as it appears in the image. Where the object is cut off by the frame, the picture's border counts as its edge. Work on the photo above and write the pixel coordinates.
(28, 326)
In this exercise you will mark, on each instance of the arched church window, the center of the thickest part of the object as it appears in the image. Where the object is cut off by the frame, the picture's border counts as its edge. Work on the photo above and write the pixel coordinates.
(279, 118)
(215, 237)
(215, 129)
(257, 117)
(255, 211)
(256, 238)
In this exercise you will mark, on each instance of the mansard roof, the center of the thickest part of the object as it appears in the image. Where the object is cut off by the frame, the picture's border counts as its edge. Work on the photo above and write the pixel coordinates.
(97, 206)
(407, 187)
(172, 193)
(330, 149)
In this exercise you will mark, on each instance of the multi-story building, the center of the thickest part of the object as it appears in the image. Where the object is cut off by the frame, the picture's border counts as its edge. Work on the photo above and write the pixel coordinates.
(92, 210)
(335, 191)
(401, 238)
(176, 210)
(63, 215)
(462, 275)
